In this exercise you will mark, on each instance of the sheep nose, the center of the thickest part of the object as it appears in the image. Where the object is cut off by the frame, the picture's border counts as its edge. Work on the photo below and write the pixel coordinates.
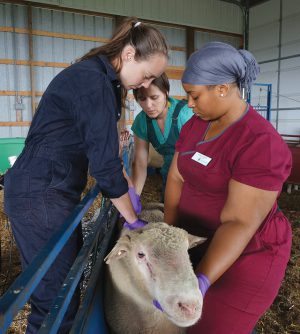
(189, 309)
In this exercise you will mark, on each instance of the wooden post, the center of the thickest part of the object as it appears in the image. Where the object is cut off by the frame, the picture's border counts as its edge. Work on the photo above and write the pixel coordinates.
(31, 56)
(190, 41)
(118, 20)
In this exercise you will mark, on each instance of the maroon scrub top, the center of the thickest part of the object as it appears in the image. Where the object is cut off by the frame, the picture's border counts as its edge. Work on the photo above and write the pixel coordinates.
(251, 152)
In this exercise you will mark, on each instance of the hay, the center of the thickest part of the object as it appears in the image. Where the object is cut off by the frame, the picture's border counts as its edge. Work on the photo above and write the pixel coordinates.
(283, 316)
(10, 269)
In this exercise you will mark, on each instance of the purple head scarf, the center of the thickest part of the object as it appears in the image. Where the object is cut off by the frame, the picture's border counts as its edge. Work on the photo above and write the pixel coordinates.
(219, 63)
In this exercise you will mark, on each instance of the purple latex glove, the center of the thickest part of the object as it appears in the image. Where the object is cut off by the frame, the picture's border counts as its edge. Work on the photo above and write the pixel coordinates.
(135, 200)
(137, 224)
(157, 305)
(204, 283)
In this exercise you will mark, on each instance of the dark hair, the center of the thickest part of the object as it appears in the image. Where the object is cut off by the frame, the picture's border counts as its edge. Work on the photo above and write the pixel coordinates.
(145, 39)
(162, 83)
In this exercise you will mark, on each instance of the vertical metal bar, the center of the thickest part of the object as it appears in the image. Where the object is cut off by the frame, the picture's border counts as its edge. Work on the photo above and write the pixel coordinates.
(248, 96)
(125, 158)
(246, 24)
(31, 57)
(269, 102)
(279, 64)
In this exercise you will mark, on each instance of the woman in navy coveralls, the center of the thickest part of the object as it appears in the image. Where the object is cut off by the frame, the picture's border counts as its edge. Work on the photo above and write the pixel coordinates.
(75, 129)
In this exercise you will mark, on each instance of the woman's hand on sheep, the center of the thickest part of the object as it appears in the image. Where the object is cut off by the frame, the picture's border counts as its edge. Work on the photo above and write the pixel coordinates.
(139, 223)
(203, 282)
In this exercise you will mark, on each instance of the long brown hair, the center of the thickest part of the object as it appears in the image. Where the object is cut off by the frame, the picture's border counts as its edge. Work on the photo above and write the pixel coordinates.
(146, 40)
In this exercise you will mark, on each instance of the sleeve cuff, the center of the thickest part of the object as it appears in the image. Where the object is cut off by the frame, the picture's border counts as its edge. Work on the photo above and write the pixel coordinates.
(116, 191)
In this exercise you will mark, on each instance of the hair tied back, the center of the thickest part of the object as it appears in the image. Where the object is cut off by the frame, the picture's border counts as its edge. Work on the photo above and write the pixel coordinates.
(252, 70)
(137, 24)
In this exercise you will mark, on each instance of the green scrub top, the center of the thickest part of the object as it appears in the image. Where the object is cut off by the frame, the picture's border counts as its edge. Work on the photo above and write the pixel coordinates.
(164, 143)
(139, 126)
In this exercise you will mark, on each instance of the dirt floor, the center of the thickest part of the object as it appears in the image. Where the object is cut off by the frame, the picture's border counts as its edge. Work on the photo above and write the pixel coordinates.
(282, 318)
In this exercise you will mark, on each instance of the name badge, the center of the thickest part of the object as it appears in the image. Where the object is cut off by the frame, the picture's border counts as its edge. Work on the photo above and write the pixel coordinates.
(201, 158)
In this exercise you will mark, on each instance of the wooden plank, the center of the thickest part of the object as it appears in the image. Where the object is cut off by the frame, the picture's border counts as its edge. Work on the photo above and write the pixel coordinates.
(20, 93)
(68, 36)
(24, 123)
(55, 34)
(33, 63)
(218, 32)
(177, 48)
(28, 93)
(173, 72)
(178, 97)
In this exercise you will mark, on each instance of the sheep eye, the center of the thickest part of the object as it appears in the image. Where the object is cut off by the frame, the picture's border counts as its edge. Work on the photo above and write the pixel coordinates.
(141, 255)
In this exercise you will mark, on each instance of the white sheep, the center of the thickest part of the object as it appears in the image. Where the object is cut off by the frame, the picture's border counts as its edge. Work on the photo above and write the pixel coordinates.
(152, 263)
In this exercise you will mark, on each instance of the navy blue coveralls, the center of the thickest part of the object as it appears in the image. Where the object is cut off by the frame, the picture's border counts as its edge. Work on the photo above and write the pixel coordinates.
(73, 130)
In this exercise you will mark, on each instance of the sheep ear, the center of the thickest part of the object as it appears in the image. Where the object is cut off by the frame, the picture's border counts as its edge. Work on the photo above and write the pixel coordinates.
(120, 249)
(195, 240)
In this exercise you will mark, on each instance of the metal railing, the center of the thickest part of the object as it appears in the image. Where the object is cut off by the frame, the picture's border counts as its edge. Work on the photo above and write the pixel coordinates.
(90, 315)
(89, 318)
(263, 109)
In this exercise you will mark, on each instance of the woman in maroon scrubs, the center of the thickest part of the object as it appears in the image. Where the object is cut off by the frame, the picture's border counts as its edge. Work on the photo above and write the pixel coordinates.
(224, 181)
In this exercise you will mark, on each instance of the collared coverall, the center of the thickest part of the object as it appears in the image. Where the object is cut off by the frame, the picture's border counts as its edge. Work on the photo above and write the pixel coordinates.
(74, 129)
